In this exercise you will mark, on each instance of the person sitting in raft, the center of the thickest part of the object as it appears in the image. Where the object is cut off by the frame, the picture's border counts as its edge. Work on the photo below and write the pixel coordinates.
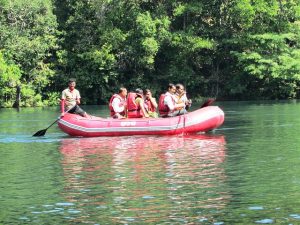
(70, 99)
(150, 104)
(167, 104)
(118, 105)
(135, 104)
(181, 97)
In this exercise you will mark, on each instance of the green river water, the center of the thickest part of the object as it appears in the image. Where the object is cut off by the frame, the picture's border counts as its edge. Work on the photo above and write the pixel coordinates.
(245, 172)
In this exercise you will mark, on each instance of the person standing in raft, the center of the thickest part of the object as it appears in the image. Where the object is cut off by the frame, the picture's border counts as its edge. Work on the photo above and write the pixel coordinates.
(70, 99)
(118, 105)
(167, 104)
(181, 97)
(150, 104)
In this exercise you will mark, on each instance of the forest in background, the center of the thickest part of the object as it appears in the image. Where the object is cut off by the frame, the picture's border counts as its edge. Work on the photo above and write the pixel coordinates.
(228, 49)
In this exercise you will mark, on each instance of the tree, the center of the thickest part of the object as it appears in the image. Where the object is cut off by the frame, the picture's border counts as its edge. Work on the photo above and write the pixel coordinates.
(28, 37)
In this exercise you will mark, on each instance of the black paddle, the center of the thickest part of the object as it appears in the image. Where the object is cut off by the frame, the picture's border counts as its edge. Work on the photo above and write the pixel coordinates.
(43, 132)
(207, 102)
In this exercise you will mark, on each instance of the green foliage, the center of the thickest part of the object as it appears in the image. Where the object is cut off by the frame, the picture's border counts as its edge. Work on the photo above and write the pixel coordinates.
(10, 75)
(145, 24)
(53, 99)
(28, 35)
(269, 57)
(237, 49)
(242, 14)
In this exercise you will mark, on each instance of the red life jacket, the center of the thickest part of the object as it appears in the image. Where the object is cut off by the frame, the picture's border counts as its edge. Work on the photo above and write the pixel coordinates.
(122, 103)
(148, 104)
(162, 108)
(134, 110)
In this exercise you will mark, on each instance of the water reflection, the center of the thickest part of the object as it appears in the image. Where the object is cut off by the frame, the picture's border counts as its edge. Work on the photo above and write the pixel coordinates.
(145, 179)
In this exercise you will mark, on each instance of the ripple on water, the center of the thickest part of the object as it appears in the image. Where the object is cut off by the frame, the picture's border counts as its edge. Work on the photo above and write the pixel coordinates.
(295, 216)
(218, 223)
(256, 208)
(148, 197)
(64, 204)
(264, 221)
(20, 138)
(74, 211)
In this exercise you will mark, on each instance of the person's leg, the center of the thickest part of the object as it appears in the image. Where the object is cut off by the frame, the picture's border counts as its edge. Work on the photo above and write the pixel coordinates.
(118, 116)
(142, 107)
(80, 111)
(153, 114)
(182, 112)
(73, 110)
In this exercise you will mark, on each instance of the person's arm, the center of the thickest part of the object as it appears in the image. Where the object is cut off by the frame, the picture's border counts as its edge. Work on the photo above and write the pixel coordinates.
(116, 105)
(188, 102)
(168, 101)
(154, 103)
(62, 107)
(62, 103)
(142, 107)
(178, 106)
(78, 98)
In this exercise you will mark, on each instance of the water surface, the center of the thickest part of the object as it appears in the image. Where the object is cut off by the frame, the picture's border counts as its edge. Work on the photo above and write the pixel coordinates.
(245, 172)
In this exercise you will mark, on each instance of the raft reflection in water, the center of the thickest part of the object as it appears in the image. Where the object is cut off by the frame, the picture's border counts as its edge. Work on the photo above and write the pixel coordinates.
(145, 179)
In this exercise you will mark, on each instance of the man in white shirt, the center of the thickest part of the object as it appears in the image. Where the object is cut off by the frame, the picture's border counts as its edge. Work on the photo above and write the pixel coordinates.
(170, 101)
(70, 100)
(117, 104)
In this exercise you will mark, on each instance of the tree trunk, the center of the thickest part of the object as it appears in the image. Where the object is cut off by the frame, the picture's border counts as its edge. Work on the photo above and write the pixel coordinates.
(18, 97)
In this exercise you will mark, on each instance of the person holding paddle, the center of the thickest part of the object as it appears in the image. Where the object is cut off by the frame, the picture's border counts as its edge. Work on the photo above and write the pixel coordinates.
(70, 99)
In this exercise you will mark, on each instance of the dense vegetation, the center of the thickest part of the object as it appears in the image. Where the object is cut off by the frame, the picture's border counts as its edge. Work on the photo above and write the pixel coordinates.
(230, 49)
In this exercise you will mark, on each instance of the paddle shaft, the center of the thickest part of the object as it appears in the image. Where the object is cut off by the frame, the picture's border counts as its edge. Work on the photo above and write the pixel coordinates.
(60, 117)
(52, 123)
(42, 132)
(207, 102)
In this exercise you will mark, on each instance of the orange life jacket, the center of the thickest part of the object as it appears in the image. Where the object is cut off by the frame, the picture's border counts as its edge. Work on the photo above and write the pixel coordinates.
(134, 110)
(179, 100)
(122, 103)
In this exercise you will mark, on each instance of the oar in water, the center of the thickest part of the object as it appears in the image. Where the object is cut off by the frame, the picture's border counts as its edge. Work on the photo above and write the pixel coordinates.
(208, 102)
(43, 132)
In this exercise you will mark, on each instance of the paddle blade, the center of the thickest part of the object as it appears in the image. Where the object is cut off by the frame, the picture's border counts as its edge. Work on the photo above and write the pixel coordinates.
(207, 102)
(40, 133)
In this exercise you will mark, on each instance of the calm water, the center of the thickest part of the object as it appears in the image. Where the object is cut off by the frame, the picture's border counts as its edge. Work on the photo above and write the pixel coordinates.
(245, 172)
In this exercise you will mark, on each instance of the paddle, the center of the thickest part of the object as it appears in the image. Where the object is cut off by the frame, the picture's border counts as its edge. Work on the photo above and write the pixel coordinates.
(208, 102)
(43, 132)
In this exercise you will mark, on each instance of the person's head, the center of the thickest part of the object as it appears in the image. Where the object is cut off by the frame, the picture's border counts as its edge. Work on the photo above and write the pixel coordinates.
(139, 91)
(171, 88)
(147, 93)
(123, 92)
(72, 83)
(180, 89)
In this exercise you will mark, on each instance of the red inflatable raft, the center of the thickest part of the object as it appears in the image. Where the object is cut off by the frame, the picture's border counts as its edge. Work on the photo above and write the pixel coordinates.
(201, 120)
